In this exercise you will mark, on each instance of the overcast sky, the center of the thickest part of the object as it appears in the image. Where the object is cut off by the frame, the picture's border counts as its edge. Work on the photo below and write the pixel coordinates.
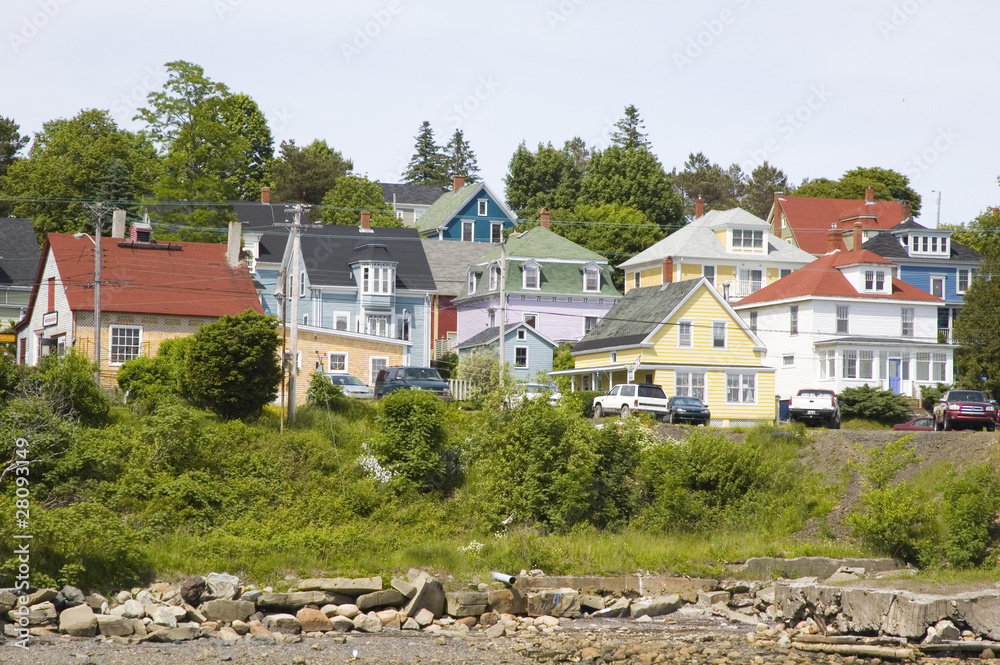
(815, 87)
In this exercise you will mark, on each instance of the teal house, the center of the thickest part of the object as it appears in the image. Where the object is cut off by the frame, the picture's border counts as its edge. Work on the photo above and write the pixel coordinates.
(468, 213)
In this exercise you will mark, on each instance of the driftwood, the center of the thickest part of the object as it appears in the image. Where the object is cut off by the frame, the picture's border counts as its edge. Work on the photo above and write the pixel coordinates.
(851, 639)
(866, 650)
(973, 646)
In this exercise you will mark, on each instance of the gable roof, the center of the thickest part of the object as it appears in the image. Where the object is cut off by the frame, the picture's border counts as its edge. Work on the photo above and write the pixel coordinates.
(405, 193)
(698, 239)
(19, 253)
(448, 205)
(542, 243)
(449, 263)
(889, 246)
(809, 218)
(261, 218)
(188, 279)
(491, 335)
(822, 277)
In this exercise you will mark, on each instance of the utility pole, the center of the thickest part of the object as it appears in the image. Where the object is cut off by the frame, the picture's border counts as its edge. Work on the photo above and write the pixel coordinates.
(284, 337)
(294, 343)
(503, 307)
(98, 209)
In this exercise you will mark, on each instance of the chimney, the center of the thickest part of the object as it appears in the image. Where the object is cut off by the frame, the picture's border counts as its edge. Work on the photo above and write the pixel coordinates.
(265, 194)
(834, 239)
(699, 207)
(234, 243)
(118, 224)
(457, 182)
(869, 195)
(857, 239)
(546, 218)
(366, 220)
(668, 270)
(996, 211)
(776, 216)
(907, 213)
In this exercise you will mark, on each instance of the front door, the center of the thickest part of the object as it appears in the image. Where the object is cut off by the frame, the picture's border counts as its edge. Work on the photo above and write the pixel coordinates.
(894, 371)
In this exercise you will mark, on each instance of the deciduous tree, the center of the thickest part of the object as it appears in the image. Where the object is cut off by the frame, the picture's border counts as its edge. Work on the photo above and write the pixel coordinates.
(888, 185)
(632, 178)
(354, 193)
(11, 143)
(305, 175)
(547, 177)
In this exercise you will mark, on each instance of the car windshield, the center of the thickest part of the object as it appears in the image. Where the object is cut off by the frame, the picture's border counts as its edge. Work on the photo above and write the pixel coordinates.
(967, 396)
(345, 380)
(652, 391)
(422, 374)
(535, 388)
(687, 401)
(814, 393)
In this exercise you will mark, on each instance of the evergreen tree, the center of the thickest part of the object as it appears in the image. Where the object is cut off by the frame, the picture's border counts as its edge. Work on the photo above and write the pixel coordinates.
(460, 160)
(428, 165)
(630, 135)
(11, 143)
(720, 188)
(305, 175)
(758, 196)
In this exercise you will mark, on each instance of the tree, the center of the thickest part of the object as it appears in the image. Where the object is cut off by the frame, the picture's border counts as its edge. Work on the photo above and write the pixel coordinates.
(758, 194)
(231, 365)
(305, 175)
(547, 177)
(629, 134)
(720, 189)
(616, 232)
(244, 118)
(888, 185)
(459, 158)
(74, 161)
(428, 165)
(354, 193)
(632, 178)
(11, 143)
(977, 358)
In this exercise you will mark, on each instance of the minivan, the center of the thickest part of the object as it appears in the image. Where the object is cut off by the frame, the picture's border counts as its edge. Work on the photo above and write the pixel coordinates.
(423, 378)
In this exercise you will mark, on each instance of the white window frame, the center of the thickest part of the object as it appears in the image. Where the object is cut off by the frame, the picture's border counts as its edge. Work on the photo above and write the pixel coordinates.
(689, 384)
(788, 360)
(346, 317)
(471, 284)
(717, 325)
(589, 323)
(378, 319)
(378, 279)
(750, 240)
(793, 320)
(517, 350)
(939, 367)
(533, 317)
(636, 279)
(482, 207)
(745, 385)
(906, 322)
(330, 363)
(942, 280)
(708, 272)
(866, 364)
(468, 231)
(753, 321)
(963, 280)
(591, 273)
(494, 276)
(531, 268)
(613, 357)
(850, 365)
(305, 319)
(685, 333)
(522, 334)
(373, 371)
(843, 324)
(828, 364)
(496, 232)
(124, 354)
(491, 318)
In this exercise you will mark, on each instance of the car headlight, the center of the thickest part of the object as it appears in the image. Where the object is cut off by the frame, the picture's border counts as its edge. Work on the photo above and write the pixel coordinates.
(954, 407)
(989, 408)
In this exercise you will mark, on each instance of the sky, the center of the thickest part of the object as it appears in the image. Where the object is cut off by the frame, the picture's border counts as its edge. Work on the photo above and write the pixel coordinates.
(815, 88)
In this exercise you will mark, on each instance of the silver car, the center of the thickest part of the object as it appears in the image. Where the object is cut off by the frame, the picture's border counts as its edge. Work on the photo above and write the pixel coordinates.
(351, 385)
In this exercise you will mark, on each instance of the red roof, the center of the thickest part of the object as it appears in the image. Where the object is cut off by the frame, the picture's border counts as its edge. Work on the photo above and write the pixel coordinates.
(189, 279)
(822, 277)
(810, 218)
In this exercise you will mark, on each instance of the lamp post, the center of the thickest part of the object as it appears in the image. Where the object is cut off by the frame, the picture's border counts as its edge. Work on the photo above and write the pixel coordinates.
(97, 298)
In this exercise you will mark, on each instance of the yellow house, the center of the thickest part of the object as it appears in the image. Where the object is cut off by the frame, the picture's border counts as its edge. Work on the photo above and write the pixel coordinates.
(685, 337)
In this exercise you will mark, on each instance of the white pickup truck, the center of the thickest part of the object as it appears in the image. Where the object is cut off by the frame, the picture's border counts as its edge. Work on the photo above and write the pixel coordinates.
(814, 406)
(628, 397)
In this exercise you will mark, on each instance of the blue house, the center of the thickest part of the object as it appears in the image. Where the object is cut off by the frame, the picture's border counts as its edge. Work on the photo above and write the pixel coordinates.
(468, 213)
(526, 351)
(931, 261)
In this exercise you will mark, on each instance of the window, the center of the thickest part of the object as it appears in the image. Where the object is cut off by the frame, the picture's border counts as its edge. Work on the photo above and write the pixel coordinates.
(866, 364)
(521, 356)
(588, 323)
(614, 357)
(748, 240)
(496, 231)
(591, 279)
(874, 280)
(636, 277)
(125, 341)
(338, 362)
(750, 281)
(753, 321)
(788, 361)
(494, 277)
(305, 319)
(585, 383)
(939, 367)
(531, 320)
(828, 364)
(522, 334)
(850, 364)
(491, 317)
(684, 334)
(708, 272)
(341, 321)
(472, 282)
(963, 280)
(689, 384)
(923, 366)
(741, 388)
(906, 322)
(718, 334)
(467, 231)
(302, 285)
(377, 325)
(785, 272)
(482, 207)
(51, 289)
(403, 327)
(843, 321)
(937, 287)
(377, 364)
(378, 279)
(530, 276)
(793, 320)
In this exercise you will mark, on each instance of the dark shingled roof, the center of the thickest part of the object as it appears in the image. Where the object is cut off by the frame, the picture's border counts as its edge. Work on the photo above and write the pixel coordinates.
(329, 250)
(262, 217)
(19, 252)
(888, 245)
(423, 195)
(636, 316)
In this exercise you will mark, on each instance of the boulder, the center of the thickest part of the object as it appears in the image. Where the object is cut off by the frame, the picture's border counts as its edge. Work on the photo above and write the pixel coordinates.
(78, 621)
(68, 596)
(981, 611)
(865, 608)
(40, 596)
(429, 595)
(97, 602)
(222, 585)
(591, 603)
(341, 624)
(619, 608)
(349, 610)
(228, 635)
(282, 623)
(655, 607)
(465, 603)
(133, 609)
(293, 601)
(507, 601)
(424, 618)
(469, 622)
(7, 601)
(390, 619)
(910, 615)
(162, 615)
(241, 627)
(367, 623)
(228, 611)
(410, 624)
(38, 614)
(251, 595)
(709, 598)
(192, 589)
(344, 586)
(554, 602)
(403, 587)
(313, 621)
(260, 637)
(114, 625)
(177, 634)
(380, 599)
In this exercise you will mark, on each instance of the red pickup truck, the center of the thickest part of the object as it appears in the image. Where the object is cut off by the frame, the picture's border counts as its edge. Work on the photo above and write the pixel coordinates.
(961, 409)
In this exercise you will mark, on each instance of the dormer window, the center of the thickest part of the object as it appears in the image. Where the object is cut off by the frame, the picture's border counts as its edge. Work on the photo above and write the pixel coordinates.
(875, 280)
(494, 277)
(748, 240)
(530, 276)
(378, 278)
(591, 278)
(472, 281)
(927, 244)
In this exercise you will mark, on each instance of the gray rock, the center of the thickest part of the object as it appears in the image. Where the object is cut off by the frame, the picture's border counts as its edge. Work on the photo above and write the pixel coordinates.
(349, 610)
(163, 616)
(403, 587)
(260, 638)
(252, 595)
(709, 598)
(222, 585)
(282, 623)
(78, 621)
(591, 603)
(341, 624)
(981, 611)
(7, 601)
(367, 623)
(133, 609)
(97, 602)
(228, 611)
(947, 630)
(68, 596)
(293, 601)
(554, 602)
(343, 585)
(192, 589)
(38, 614)
(507, 601)
(619, 608)
(114, 625)
(177, 634)
(465, 603)
(411, 624)
(811, 566)
(380, 599)
(655, 607)
(228, 635)
(429, 595)
(41, 596)
(910, 614)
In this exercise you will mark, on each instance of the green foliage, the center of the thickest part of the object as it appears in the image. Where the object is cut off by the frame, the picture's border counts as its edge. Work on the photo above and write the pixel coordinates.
(888, 185)
(68, 384)
(11, 143)
(459, 158)
(244, 119)
(628, 132)
(354, 193)
(547, 177)
(147, 378)
(969, 506)
(758, 194)
(446, 365)
(580, 402)
(483, 372)
(428, 164)
(231, 365)
(323, 393)
(871, 403)
(413, 442)
(720, 188)
(930, 395)
(615, 231)
(305, 175)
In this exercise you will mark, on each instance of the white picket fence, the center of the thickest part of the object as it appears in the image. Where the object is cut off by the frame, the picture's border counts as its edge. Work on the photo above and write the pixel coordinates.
(460, 389)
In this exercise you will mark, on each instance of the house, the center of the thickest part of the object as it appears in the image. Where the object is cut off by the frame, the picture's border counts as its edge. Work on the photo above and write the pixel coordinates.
(18, 263)
(150, 291)
(468, 213)
(410, 202)
(685, 337)
(931, 261)
(526, 351)
(551, 284)
(732, 249)
(805, 220)
(449, 263)
(847, 320)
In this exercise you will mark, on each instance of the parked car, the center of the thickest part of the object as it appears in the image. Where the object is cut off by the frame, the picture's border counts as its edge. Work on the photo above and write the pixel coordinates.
(961, 409)
(687, 409)
(422, 378)
(815, 406)
(351, 385)
(625, 398)
(921, 424)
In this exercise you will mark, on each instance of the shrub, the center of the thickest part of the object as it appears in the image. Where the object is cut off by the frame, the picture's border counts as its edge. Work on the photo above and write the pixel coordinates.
(482, 371)
(580, 402)
(868, 403)
(930, 395)
(323, 393)
(69, 386)
(969, 504)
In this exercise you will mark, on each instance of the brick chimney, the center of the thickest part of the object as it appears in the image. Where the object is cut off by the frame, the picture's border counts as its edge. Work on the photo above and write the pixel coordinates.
(265, 194)
(457, 182)
(869, 195)
(233, 243)
(776, 216)
(546, 218)
(668, 270)
(858, 236)
(906, 210)
(834, 239)
(118, 224)
(699, 207)
(366, 220)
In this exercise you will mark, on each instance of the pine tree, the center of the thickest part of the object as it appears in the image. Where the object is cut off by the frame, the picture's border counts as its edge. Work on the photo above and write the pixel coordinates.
(460, 160)
(630, 135)
(428, 165)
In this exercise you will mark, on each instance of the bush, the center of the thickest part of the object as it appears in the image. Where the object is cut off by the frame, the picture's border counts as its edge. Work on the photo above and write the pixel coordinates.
(869, 403)
(323, 393)
(930, 395)
(69, 386)
(581, 402)
(969, 504)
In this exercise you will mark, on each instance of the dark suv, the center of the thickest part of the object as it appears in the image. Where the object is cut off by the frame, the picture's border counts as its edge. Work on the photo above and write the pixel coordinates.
(959, 409)
(423, 378)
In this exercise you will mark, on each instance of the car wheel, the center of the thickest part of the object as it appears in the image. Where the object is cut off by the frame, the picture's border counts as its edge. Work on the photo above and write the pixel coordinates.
(937, 426)
(991, 427)
(835, 422)
(670, 418)
(625, 411)
(598, 411)
(947, 425)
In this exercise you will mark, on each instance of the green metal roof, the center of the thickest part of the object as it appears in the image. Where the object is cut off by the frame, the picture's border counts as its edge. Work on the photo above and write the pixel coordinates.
(541, 243)
(445, 207)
